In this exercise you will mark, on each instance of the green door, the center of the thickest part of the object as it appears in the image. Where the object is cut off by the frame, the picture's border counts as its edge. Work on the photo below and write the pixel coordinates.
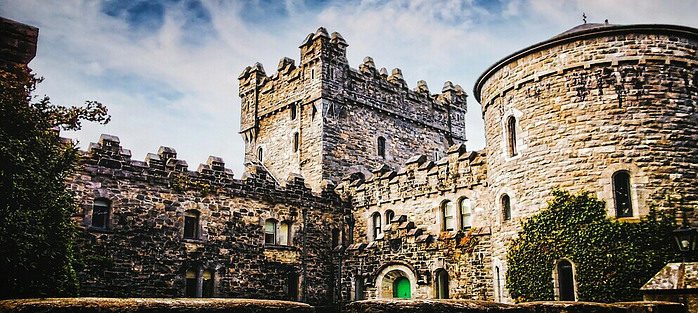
(401, 288)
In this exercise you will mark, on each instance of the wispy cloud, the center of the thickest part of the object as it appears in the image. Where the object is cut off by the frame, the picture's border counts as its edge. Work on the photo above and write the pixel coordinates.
(168, 69)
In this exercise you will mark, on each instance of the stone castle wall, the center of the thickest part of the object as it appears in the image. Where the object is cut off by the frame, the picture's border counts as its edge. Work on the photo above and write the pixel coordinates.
(413, 242)
(339, 114)
(587, 105)
(142, 251)
(17, 42)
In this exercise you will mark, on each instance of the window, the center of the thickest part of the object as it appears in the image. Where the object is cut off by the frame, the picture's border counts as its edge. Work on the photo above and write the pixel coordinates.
(199, 283)
(511, 136)
(441, 284)
(293, 286)
(270, 232)
(260, 154)
(621, 194)
(100, 213)
(335, 237)
(497, 285)
(466, 212)
(376, 219)
(506, 207)
(292, 109)
(565, 281)
(295, 142)
(358, 288)
(381, 147)
(285, 233)
(190, 290)
(448, 212)
(389, 215)
(312, 74)
(191, 224)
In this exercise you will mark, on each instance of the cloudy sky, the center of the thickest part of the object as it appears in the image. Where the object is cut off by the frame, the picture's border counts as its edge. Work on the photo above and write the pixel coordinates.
(167, 69)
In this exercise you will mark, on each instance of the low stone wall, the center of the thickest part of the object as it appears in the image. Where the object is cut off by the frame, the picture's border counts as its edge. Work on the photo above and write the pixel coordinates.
(453, 306)
(151, 305)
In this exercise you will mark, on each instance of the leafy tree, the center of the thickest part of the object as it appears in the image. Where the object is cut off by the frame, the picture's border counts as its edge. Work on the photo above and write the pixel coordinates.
(36, 233)
(612, 258)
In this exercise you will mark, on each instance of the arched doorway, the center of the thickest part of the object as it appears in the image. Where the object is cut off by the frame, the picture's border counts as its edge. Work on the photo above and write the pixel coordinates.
(565, 280)
(396, 281)
(402, 288)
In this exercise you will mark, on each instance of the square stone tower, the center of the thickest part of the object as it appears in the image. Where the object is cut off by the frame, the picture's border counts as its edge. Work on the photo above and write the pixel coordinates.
(324, 120)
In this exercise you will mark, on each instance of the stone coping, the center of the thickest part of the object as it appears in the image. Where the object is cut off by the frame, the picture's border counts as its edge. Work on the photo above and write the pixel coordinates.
(151, 305)
(452, 306)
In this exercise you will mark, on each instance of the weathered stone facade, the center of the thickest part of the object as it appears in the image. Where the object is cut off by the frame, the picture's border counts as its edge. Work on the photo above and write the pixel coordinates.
(324, 119)
(587, 104)
(412, 208)
(143, 249)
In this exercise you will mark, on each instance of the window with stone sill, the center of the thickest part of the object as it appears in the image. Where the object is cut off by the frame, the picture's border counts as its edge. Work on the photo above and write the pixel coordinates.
(466, 213)
(381, 147)
(293, 111)
(389, 216)
(448, 216)
(101, 208)
(270, 232)
(296, 142)
(285, 238)
(260, 154)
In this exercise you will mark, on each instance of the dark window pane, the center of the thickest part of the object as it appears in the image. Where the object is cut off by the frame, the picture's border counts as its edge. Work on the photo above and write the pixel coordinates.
(191, 225)
(506, 207)
(100, 213)
(566, 281)
(621, 190)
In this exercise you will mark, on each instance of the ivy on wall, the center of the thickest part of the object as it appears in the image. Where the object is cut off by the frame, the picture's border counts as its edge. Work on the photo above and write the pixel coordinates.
(612, 258)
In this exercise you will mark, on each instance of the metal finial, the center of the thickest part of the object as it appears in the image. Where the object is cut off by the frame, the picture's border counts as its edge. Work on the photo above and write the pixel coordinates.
(584, 17)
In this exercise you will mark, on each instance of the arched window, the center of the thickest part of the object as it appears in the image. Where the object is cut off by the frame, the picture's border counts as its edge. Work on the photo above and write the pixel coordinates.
(260, 154)
(511, 136)
(389, 215)
(285, 233)
(506, 207)
(358, 288)
(296, 142)
(621, 193)
(441, 284)
(466, 213)
(100, 213)
(270, 232)
(377, 226)
(381, 147)
(448, 215)
(191, 224)
(565, 280)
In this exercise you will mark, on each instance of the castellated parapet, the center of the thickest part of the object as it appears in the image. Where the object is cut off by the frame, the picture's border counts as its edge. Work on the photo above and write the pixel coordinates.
(412, 235)
(147, 246)
(323, 119)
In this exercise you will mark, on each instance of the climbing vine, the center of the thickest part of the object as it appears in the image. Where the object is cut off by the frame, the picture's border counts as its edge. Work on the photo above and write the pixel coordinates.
(181, 183)
(612, 258)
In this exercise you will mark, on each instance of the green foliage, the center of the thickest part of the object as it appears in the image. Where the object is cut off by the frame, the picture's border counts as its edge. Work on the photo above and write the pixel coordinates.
(181, 183)
(36, 233)
(612, 258)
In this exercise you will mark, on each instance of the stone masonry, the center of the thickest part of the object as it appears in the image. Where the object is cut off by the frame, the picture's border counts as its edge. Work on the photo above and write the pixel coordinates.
(335, 114)
(357, 186)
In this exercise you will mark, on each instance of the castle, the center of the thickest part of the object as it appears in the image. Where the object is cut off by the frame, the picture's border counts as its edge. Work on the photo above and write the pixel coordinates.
(358, 187)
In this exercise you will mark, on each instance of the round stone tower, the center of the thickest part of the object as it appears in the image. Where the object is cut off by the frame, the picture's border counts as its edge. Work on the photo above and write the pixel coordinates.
(606, 108)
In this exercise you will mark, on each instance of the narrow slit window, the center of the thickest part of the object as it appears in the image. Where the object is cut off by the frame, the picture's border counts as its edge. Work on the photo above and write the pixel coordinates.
(511, 136)
(381, 147)
(376, 225)
(621, 192)
(506, 207)
(100, 213)
(295, 142)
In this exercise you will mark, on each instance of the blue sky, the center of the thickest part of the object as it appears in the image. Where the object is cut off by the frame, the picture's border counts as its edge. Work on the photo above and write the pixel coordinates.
(167, 69)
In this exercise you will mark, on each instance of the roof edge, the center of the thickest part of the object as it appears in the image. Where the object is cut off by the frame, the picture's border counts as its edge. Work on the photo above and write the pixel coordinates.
(563, 38)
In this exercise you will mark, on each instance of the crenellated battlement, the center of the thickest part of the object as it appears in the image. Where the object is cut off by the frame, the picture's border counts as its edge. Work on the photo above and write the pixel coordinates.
(108, 158)
(420, 177)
